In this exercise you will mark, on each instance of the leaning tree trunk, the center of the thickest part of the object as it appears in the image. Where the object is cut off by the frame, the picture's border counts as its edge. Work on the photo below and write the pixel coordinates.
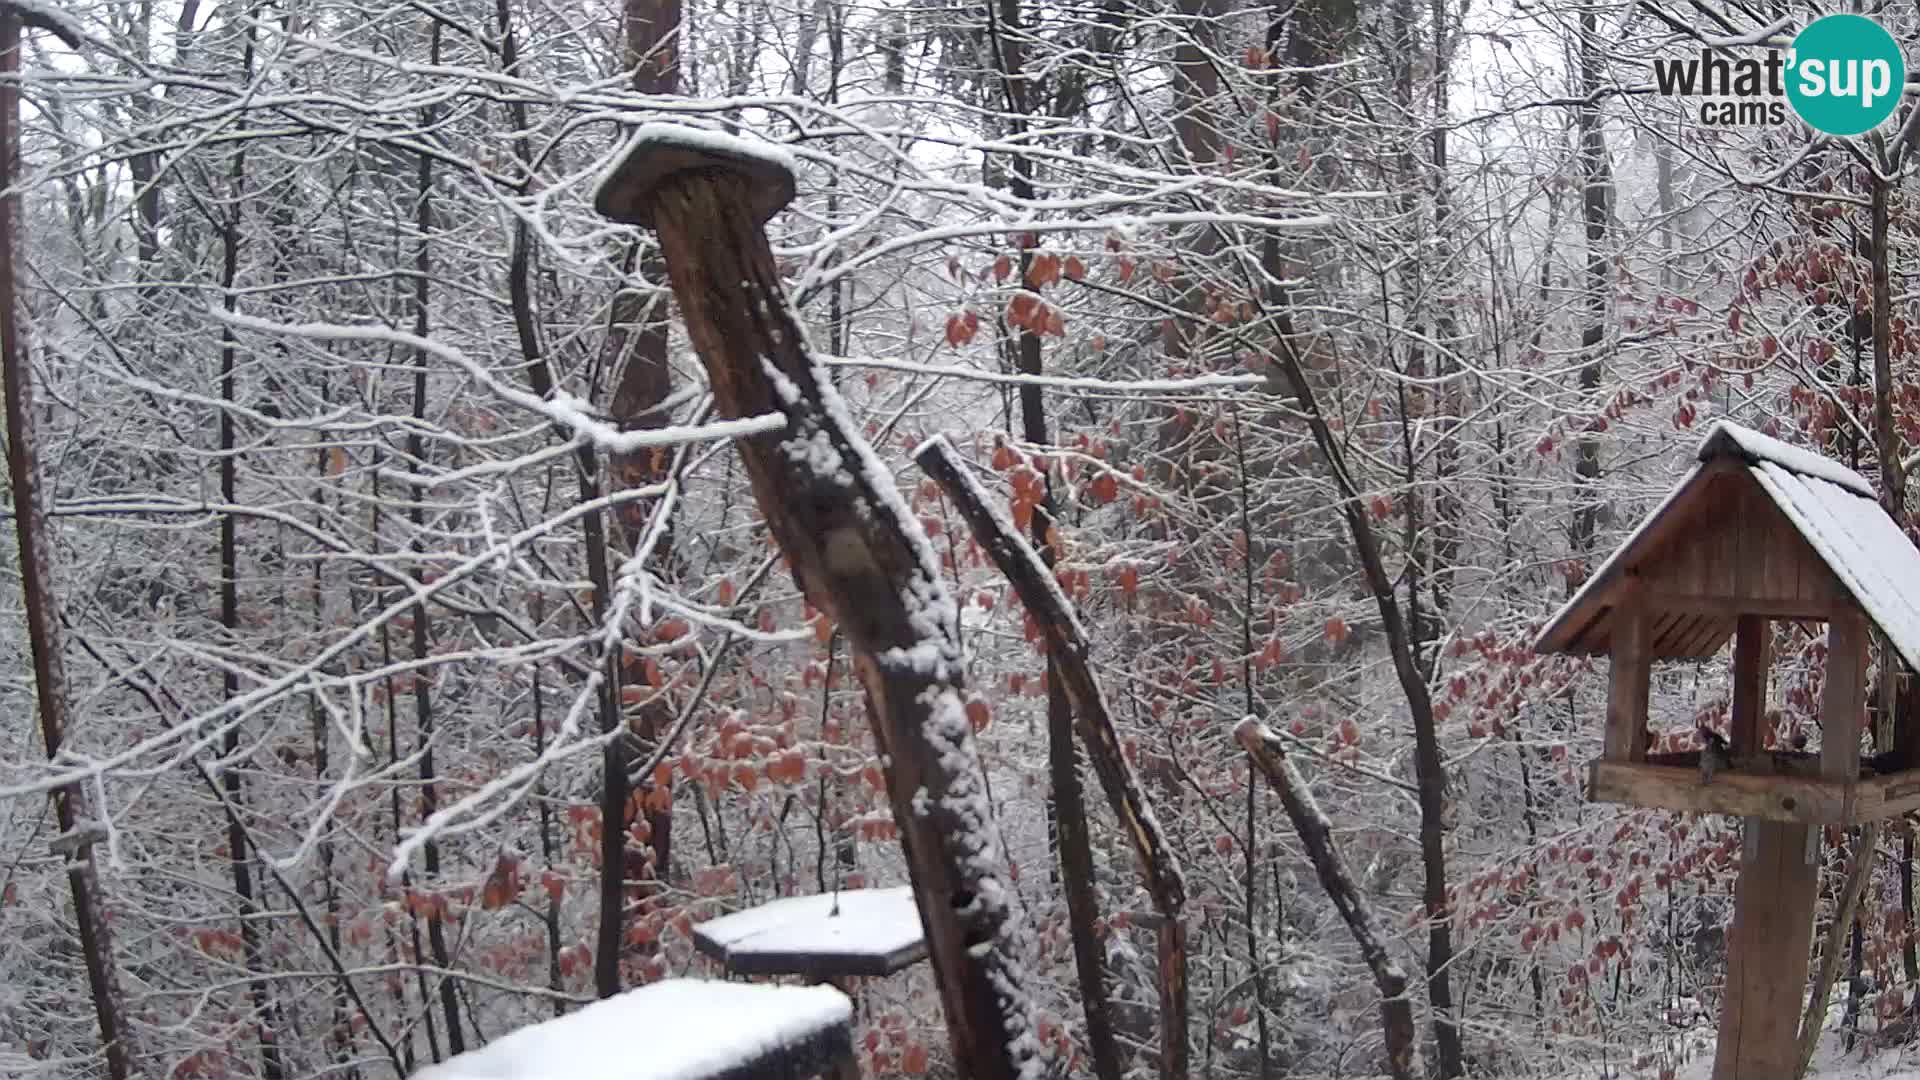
(36, 584)
(1072, 678)
(858, 553)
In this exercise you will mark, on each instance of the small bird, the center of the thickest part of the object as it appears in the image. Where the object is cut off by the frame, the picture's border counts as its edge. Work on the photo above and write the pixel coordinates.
(1714, 753)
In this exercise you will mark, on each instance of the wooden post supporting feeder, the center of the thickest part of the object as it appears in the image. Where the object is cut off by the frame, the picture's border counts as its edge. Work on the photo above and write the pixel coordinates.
(858, 553)
(1757, 531)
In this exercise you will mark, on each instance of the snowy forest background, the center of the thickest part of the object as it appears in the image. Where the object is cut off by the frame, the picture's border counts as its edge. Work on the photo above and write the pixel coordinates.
(353, 632)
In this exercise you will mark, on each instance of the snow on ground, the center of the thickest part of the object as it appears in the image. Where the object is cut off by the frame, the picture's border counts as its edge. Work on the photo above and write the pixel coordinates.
(680, 1029)
(1832, 1062)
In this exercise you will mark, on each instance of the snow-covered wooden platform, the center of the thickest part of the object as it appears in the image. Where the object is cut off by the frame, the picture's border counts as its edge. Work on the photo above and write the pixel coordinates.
(852, 932)
(680, 1029)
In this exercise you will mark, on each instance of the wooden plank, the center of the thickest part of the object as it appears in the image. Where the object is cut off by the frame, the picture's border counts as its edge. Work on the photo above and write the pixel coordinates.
(1730, 539)
(1660, 598)
(1628, 678)
(1712, 634)
(1752, 646)
(1664, 631)
(1806, 801)
(1888, 796)
(1767, 954)
(1843, 699)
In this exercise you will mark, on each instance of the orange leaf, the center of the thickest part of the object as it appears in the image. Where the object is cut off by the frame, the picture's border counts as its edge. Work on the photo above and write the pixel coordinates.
(502, 885)
(1022, 309)
(1044, 270)
(1075, 269)
(1002, 266)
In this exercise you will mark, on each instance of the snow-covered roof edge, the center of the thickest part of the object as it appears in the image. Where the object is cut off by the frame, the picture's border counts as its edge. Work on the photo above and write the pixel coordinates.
(1865, 548)
(682, 135)
(1727, 437)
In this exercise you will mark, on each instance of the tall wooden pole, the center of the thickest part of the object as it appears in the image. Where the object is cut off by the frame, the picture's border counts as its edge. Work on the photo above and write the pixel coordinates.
(1772, 935)
(36, 580)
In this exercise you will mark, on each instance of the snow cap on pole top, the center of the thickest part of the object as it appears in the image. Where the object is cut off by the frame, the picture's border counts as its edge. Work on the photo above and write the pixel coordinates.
(657, 151)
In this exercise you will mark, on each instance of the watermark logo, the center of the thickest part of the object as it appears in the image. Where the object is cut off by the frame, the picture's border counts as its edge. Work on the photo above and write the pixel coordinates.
(1843, 76)
(1847, 74)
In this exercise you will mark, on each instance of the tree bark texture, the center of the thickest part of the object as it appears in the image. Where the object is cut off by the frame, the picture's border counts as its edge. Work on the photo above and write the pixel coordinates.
(861, 557)
(1067, 653)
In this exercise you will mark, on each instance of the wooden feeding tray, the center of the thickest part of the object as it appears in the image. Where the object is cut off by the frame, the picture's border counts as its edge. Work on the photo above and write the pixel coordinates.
(1757, 531)
(829, 936)
(679, 1029)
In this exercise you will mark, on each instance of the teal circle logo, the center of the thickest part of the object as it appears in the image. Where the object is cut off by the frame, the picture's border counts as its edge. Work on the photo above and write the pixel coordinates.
(1845, 74)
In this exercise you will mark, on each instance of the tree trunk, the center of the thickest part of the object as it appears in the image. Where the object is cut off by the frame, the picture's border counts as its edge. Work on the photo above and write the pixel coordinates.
(1597, 176)
(1265, 751)
(1067, 652)
(70, 804)
(417, 455)
(1859, 869)
(1429, 769)
(232, 781)
(636, 347)
(860, 556)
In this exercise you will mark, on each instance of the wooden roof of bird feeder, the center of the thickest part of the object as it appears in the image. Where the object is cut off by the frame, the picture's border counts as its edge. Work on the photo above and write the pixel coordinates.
(829, 936)
(1757, 531)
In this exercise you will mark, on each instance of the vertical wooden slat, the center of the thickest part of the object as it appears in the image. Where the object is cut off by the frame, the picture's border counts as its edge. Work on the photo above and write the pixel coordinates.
(1843, 701)
(1751, 648)
(1627, 685)
(1767, 951)
(1726, 550)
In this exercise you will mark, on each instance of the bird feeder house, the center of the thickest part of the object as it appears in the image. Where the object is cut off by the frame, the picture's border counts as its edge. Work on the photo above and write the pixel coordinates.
(1758, 531)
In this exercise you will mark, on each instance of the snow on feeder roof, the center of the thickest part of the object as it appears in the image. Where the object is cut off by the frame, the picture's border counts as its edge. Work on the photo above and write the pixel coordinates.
(658, 150)
(1757, 526)
(852, 932)
(680, 1029)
